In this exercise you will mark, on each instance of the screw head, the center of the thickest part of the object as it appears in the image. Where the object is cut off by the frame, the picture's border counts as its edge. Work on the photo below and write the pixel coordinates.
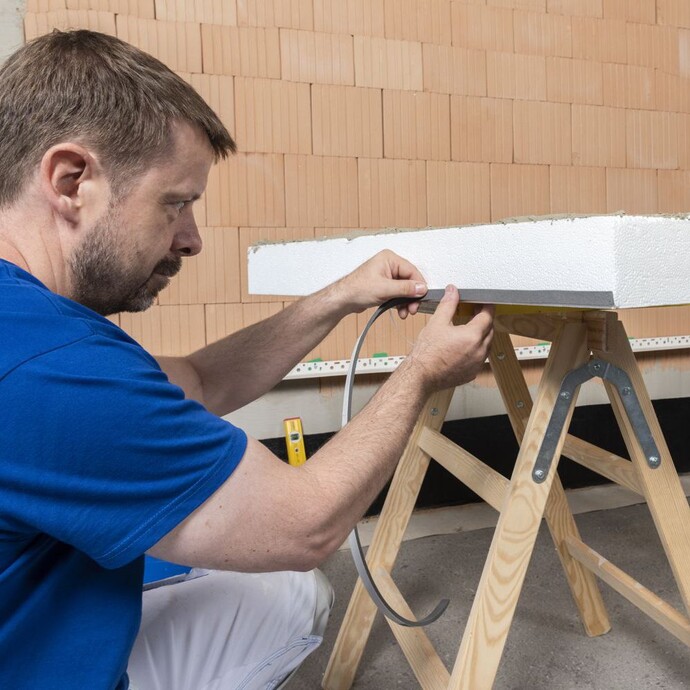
(596, 366)
(625, 390)
(565, 395)
(501, 355)
(653, 461)
(519, 404)
(539, 474)
(434, 411)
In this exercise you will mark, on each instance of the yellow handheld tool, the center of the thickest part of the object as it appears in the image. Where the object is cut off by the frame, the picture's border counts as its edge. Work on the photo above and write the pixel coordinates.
(294, 439)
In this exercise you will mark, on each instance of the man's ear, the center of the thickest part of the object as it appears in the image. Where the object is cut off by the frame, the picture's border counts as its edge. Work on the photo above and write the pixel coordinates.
(69, 173)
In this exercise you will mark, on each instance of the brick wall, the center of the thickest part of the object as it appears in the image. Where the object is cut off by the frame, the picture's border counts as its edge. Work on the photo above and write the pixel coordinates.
(407, 113)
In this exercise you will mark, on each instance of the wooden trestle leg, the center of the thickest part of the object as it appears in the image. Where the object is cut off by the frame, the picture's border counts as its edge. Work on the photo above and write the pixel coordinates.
(561, 523)
(660, 486)
(511, 548)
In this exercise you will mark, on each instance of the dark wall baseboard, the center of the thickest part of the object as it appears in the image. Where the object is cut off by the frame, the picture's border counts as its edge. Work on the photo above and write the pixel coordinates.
(491, 439)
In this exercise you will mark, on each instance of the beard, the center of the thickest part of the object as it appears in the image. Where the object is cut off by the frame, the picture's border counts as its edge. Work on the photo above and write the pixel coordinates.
(104, 282)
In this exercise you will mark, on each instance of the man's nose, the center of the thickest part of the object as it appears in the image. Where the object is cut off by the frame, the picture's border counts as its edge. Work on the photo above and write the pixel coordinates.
(187, 242)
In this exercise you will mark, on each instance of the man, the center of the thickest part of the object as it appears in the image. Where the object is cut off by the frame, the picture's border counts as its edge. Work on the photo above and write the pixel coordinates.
(108, 453)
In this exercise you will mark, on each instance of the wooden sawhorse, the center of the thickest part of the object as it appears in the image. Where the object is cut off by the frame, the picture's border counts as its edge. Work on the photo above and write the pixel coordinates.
(584, 344)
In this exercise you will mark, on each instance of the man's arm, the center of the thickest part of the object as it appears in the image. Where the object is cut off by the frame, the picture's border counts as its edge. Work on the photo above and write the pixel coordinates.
(271, 516)
(240, 368)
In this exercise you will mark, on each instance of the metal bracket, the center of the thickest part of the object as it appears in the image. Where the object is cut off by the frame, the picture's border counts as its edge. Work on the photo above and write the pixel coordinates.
(571, 382)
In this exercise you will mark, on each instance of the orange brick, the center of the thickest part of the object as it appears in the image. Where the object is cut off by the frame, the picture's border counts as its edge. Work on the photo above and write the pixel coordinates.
(519, 190)
(574, 81)
(392, 335)
(653, 46)
(543, 34)
(222, 320)
(674, 191)
(644, 323)
(218, 91)
(671, 92)
(631, 191)
(652, 139)
(583, 8)
(578, 190)
(356, 17)
(135, 8)
(392, 193)
(389, 64)
(245, 51)
(211, 276)
(427, 21)
(598, 136)
(527, 5)
(41, 6)
(39, 24)
(321, 190)
(683, 141)
(454, 70)
(457, 193)
(168, 330)
(321, 233)
(640, 11)
(416, 125)
(381, 337)
(272, 116)
(484, 28)
(177, 44)
(247, 189)
(347, 121)
(509, 75)
(253, 236)
(602, 40)
(294, 14)
(542, 132)
(316, 58)
(201, 11)
(199, 210)
(629, 86)
(481, 129)
(337, 345)
(290, 14)
(673, 12)
(253, 313)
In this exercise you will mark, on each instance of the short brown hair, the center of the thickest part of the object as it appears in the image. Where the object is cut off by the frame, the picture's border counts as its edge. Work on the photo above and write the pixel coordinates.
(99, 90)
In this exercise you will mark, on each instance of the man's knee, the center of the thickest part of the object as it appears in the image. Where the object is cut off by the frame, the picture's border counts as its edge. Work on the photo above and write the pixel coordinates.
(325, 597)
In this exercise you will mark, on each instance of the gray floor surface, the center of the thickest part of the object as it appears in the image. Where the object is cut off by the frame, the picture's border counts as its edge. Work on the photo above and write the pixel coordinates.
(546, 647)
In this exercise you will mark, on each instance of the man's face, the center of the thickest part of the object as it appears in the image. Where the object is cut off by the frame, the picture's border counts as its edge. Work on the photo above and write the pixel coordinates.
(134, 249)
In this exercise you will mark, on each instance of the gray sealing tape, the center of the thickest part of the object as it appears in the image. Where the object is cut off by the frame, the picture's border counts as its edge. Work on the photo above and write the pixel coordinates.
(355, 544)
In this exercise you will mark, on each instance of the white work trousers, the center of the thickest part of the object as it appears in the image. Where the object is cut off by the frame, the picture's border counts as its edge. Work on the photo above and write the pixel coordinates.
(229, 631)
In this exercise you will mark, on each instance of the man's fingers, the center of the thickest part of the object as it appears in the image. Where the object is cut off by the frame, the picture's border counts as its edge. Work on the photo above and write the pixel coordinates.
(448, 304)
(404, 288)
(402, 268)
(483, 320)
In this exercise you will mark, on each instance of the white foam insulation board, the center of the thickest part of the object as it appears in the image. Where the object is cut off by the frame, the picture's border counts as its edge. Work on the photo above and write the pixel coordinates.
(604, 262)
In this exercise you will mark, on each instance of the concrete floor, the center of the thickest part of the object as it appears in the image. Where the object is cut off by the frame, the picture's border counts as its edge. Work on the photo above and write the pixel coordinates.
(546, 648)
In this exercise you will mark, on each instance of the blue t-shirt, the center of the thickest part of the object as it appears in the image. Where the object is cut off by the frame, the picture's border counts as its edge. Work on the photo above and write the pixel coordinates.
(100, 457)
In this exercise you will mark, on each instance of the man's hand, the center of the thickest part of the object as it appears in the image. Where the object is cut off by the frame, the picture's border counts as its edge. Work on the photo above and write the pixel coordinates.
(383, 277)
(446, 355)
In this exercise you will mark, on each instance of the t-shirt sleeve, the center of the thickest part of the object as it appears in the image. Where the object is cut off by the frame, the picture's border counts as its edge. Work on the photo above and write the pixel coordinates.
(108, 455)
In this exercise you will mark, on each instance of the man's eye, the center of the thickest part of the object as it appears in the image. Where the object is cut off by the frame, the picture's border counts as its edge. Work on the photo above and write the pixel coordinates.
(179, 205)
